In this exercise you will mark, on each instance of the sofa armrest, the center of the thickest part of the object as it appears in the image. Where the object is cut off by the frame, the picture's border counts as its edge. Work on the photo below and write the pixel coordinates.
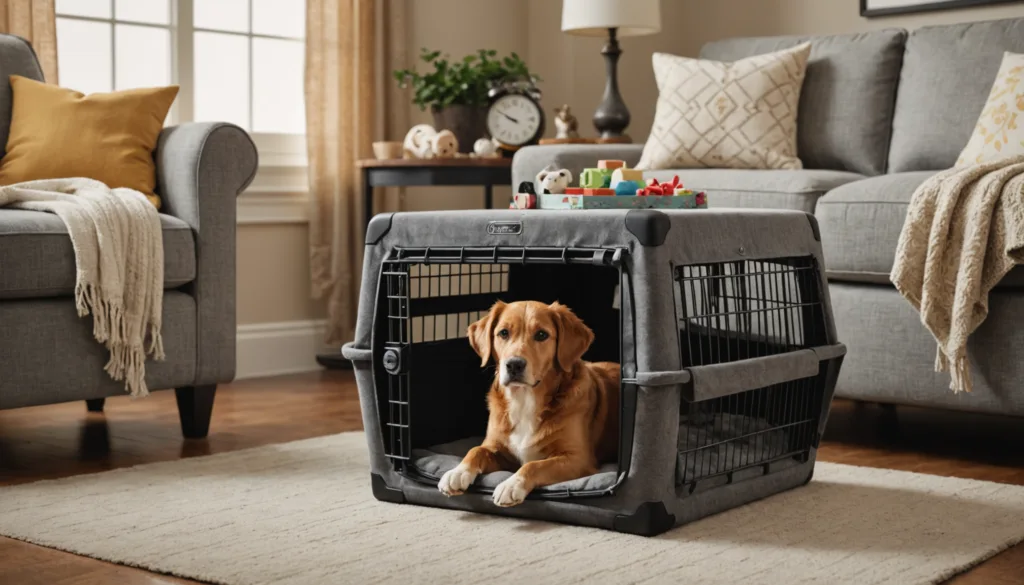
(575, 157)
(200, 170)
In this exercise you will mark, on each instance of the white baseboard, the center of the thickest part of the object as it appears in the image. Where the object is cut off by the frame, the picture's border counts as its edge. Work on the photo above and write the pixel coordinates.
(273, 349)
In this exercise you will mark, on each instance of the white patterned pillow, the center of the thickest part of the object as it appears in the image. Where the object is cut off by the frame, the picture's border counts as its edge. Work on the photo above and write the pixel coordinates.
(997, 134)
(739, 115)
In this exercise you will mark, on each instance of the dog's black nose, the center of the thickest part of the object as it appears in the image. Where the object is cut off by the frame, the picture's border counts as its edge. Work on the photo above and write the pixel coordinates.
(515, 367)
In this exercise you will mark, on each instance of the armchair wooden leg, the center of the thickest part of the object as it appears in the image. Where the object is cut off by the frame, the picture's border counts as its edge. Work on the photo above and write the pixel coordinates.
(95, 405)
(195, 405)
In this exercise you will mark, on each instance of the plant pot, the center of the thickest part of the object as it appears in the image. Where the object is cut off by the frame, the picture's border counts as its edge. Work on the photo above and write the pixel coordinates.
(468, 123)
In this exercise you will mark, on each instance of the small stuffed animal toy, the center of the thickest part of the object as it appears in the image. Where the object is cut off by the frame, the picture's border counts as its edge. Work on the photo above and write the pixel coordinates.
(417, 141)
(423, 141)
(566, 125)
(485, 147)
(444, 144)
(553, 181)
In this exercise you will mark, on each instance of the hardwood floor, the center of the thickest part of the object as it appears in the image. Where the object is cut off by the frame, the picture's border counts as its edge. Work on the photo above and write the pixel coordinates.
(64, 440)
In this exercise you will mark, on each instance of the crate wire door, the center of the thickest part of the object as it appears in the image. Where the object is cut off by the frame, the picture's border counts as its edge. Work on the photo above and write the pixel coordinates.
(396, 358)
(432, 295)
(732, 311)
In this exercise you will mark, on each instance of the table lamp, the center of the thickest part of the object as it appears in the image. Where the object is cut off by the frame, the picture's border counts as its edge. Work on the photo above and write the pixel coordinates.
(614, 18)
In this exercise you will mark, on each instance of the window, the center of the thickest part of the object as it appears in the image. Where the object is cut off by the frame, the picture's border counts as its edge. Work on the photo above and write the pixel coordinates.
(238, 61)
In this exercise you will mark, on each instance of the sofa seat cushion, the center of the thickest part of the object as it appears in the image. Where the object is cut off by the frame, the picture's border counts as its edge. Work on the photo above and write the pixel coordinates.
(860, 226)
(781, 189)
(37, 260)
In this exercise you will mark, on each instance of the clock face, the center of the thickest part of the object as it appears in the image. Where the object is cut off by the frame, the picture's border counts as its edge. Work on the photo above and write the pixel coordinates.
(514, 120)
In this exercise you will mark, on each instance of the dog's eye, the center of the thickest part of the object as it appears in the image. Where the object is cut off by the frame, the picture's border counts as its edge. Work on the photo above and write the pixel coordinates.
(503, 334)
(540, 336)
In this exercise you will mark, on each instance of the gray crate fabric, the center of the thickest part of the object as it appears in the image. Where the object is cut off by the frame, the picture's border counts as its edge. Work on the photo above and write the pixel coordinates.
(891, 355)
(37, 260)
(575, 157)
(16, 58)
(798, 190)
(694, 236)
(846, 105)
(48, 354)
(861, 224)
(201, 169)
(947, 75)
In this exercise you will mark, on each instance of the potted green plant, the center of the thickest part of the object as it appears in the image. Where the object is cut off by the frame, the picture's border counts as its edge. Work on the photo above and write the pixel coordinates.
(456, 91)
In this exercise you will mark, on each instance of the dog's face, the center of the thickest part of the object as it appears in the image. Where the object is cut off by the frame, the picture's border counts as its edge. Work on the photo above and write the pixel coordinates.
(528, 340)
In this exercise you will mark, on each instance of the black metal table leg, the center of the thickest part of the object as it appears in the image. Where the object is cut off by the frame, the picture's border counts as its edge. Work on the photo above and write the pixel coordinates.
(367, 197)
(488, 196)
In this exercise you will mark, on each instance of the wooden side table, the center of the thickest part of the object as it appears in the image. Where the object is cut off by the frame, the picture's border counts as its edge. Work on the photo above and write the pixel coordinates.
(411, 172)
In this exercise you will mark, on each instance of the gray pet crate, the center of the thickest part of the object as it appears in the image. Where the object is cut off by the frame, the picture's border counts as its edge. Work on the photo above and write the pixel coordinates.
(720, 319)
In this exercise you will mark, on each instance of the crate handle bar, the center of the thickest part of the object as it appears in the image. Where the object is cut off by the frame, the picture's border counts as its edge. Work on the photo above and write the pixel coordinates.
(713, 381)
(350, 352)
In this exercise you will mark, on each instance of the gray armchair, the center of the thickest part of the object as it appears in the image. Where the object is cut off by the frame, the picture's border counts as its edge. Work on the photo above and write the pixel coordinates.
(48, 353)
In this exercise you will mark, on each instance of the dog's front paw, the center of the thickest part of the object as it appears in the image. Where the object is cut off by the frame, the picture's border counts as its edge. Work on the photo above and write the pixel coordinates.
(510, 492)
(456, 481)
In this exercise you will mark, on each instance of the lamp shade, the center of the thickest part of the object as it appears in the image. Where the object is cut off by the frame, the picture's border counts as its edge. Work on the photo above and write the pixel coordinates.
(593, 18)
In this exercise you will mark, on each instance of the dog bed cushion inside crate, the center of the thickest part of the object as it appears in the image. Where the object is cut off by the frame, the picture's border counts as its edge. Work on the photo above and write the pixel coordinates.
(726, 441)
(436, 460)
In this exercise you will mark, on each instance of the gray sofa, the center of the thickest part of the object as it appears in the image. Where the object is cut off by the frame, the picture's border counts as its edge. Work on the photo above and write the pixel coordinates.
(48, 354)
(879, 113)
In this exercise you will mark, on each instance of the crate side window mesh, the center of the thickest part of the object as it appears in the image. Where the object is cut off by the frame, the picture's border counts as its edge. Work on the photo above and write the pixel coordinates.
(423, 302)
(731, 311)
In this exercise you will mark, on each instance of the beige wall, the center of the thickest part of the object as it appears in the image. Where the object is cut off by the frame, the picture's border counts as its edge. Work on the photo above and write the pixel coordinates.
(273, 274)
(460, 27)
(573, 69)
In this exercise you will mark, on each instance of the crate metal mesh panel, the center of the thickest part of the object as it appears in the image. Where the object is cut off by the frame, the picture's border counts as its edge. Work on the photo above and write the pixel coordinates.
(733, 311)
(415, 295)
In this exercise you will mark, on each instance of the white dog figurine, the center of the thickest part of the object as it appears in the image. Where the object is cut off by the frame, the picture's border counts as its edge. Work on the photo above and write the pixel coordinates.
(553, 181)
(485, 147)
(423, 141)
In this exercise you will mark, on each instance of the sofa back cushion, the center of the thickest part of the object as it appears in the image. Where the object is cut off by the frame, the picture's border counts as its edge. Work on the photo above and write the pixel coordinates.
(16, 58)
(846, 105)
(948, 73)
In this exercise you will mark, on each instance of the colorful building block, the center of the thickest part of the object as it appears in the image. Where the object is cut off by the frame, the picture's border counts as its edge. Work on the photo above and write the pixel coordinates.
(524, 201)
(623, 174)
(595, 178)
(574, 190)
(611, 164)
(628, 187)
(599, 191)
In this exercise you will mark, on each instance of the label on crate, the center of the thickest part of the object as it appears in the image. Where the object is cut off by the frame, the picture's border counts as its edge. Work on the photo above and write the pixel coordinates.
(505, 228)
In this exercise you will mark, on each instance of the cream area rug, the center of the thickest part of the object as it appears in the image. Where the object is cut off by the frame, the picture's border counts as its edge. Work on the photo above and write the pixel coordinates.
(303, 513)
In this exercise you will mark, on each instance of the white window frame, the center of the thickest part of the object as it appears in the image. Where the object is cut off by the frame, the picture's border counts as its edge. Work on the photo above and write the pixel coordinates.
(276, 149)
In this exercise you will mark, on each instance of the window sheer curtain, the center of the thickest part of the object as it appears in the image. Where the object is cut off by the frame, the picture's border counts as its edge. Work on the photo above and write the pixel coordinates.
(36, 22)
(351, 47)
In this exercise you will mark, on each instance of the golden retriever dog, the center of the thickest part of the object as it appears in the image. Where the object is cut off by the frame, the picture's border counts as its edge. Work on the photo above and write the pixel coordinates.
(553, 417)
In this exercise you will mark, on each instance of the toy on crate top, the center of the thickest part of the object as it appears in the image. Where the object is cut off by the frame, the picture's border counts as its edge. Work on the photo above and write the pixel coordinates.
(595, 178)
(553, 181)
(655, 188)
(526, 198)
(627, 181)
(423, 141)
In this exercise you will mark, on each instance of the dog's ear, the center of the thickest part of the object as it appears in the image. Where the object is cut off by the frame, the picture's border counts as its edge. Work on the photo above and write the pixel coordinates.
(481, 333)
(574, 337)
(541, 176)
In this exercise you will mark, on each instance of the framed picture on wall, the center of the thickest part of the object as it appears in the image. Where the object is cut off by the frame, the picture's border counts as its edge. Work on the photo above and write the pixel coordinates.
(871, 8)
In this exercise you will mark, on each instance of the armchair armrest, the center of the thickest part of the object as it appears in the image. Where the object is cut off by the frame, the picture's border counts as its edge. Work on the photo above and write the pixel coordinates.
(200, 170)
(574, 157)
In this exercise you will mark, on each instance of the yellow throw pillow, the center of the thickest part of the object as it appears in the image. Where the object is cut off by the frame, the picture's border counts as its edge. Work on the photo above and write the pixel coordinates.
(739, 115)
(110, 137)
(999, 133)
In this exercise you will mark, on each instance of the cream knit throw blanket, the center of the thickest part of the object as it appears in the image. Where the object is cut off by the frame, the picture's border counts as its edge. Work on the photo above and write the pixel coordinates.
(964, 231)
(119, 252)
